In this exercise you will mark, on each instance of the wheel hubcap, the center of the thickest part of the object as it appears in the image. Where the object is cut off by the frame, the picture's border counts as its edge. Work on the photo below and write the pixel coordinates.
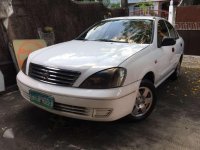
(143, 102)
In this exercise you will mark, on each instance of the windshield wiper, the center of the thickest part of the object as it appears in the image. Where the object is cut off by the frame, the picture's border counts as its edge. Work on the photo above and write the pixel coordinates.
(82, 39)
(102, 40)
(107, 40)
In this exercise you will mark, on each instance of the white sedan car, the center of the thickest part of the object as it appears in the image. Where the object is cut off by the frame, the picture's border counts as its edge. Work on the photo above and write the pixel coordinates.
(110, 71)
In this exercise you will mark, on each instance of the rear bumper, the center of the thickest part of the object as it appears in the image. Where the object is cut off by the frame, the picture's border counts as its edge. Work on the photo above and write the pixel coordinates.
(97, 105)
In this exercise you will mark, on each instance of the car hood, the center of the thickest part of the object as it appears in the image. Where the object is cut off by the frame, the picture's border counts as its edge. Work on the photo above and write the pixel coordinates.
(82, 55)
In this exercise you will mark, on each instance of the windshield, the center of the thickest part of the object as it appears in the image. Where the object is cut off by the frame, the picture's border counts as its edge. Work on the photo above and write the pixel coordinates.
(129, 31)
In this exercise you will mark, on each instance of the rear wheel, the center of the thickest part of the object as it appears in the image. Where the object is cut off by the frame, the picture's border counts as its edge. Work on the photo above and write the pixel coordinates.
(177, 72)
(145, 101)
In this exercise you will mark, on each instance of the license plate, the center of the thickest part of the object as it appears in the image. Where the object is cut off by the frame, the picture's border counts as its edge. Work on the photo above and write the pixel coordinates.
(41, 99)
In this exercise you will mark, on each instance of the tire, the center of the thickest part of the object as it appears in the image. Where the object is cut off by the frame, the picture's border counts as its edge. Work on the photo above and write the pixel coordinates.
(144, 104)
(176, 74)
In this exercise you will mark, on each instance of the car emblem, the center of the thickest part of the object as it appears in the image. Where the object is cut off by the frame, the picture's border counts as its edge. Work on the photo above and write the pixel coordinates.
(46, 74)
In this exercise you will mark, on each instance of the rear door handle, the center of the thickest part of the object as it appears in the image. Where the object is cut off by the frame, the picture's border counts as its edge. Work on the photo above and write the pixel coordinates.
(173, 49)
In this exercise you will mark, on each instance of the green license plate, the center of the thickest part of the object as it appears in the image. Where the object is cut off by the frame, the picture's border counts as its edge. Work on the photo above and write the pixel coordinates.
(41, 99)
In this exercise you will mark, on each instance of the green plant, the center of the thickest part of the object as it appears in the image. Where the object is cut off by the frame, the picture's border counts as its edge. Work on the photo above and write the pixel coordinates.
(144, 5)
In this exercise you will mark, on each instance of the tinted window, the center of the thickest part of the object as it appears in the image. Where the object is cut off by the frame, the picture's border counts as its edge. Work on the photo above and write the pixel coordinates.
(162, 32)
(129, 31)
(172, 32)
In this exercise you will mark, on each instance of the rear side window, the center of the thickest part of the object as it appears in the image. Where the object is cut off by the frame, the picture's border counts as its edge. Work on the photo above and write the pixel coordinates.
(172, 31)
(162, 32)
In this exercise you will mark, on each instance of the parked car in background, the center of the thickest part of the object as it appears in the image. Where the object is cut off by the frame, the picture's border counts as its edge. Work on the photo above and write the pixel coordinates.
(110, 71)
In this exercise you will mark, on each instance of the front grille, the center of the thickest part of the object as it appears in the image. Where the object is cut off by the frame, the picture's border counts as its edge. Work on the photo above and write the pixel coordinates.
(73, 109)
(53, 75)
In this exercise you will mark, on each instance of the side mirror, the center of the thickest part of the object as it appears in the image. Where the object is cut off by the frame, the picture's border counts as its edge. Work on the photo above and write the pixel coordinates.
(168, 42)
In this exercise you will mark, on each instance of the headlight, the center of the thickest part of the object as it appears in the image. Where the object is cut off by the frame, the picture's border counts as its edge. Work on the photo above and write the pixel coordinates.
(109, 78)
(24, 66)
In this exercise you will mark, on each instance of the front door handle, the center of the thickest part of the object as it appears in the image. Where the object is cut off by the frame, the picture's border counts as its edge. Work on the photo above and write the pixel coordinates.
(173, 49)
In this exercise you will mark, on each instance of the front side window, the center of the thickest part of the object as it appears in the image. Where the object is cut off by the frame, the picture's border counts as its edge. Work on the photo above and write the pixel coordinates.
(129, 31)
(162, 32)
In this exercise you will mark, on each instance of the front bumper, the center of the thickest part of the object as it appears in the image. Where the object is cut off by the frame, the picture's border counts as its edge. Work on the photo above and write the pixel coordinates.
(87, 104)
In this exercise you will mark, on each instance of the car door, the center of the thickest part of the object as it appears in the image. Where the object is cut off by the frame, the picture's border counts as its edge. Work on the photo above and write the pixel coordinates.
(164, 52)
(176, 49)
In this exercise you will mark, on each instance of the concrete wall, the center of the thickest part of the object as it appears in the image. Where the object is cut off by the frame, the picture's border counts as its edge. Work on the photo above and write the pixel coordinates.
(67, 18)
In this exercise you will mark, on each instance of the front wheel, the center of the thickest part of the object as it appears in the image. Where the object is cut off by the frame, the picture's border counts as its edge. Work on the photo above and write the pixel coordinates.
(145, 101)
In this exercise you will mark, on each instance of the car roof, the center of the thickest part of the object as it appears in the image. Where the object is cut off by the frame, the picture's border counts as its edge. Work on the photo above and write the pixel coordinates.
(136, 17)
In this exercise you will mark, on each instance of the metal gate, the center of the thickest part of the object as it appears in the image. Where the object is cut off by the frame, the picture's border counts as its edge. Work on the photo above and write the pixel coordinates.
(188, 26)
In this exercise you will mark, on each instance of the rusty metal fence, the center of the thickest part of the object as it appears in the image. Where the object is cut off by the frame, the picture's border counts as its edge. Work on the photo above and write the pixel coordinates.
(149, 12)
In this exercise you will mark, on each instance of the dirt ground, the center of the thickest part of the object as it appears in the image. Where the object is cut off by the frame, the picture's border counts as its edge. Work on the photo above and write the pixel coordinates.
(175, 123)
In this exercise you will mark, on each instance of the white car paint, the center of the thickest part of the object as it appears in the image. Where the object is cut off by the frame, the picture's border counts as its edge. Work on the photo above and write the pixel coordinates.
(89, 57)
